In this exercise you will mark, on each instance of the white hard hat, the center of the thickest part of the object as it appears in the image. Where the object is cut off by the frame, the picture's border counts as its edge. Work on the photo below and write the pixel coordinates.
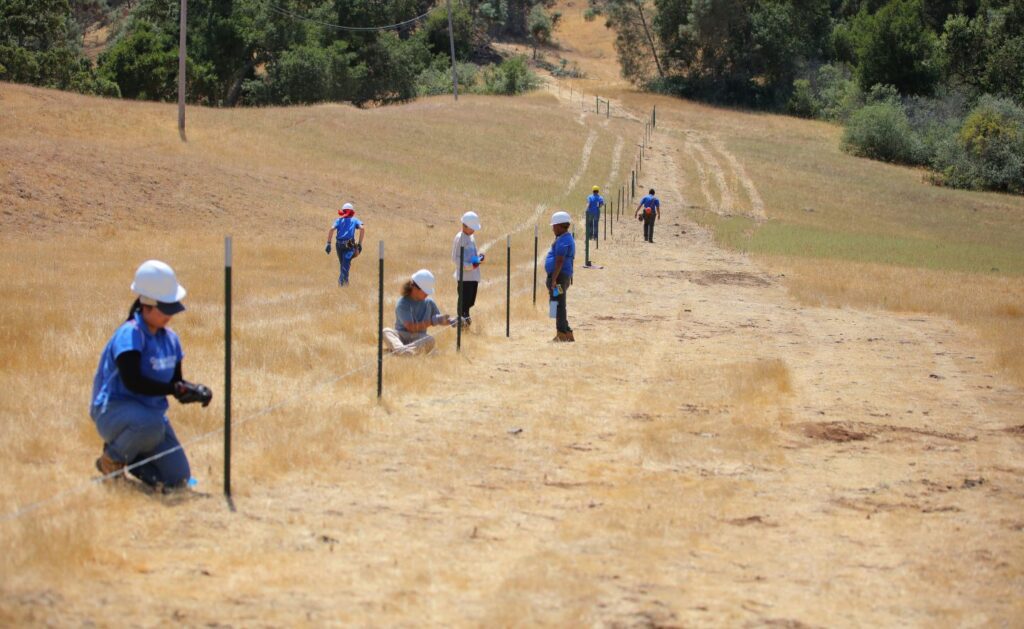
(348, 206)
(156, 280)
(560, 217)
(471, 220)
(425, 280)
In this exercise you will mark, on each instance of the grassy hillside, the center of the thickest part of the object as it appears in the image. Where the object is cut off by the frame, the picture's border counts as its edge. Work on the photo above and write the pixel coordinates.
(92, 187)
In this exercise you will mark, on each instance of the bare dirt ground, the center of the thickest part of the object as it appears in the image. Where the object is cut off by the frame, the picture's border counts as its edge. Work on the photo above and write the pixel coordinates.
(725, 456)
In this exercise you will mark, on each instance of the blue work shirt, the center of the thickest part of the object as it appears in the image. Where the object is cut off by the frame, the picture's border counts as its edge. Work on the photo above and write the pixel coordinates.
(408, 310)
(594, 203)
(161, 353)
(347, 228)
(650, 203)
(564, 246)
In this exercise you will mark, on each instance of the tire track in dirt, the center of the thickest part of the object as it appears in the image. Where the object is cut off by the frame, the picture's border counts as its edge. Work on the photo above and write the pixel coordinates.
(588, 148)
(727, 203)
(702, 177)
(616, 161)
(756, 203)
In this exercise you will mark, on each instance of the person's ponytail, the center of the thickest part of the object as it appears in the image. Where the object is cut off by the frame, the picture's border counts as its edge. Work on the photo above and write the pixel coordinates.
(137, 306)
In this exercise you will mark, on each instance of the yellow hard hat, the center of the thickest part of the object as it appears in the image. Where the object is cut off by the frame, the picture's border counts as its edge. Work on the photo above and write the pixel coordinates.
(597, 189)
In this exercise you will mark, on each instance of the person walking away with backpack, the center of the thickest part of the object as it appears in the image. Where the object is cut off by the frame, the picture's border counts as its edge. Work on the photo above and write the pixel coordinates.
(139, 367)
(414, 314)
(594, 204)
(470, 263)
(558, 266)
(651, 211)
(349, 232)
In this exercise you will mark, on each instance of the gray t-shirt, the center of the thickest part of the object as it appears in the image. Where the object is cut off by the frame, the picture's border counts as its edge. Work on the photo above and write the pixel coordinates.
(408, 310)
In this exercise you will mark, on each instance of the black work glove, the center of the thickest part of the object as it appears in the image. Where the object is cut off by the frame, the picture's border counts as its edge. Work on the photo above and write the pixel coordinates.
(359, 249)
(328, 248)
(188, 392)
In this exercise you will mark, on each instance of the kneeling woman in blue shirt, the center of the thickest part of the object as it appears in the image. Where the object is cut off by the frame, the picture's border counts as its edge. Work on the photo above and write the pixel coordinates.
(139, 368)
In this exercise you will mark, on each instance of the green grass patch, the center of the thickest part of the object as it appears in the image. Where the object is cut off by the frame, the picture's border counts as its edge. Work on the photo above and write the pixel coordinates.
(787, 239)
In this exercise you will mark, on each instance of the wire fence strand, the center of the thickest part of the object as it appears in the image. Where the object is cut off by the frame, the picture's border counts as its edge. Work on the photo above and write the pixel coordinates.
(339, 27)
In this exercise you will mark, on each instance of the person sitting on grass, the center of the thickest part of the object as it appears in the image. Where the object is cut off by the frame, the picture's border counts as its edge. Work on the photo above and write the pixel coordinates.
(414, 313)
(140, 366)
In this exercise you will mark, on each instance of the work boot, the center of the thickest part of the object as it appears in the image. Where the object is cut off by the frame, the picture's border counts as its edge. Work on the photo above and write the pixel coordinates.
(107, 465)
(569, 337)
(562, 337)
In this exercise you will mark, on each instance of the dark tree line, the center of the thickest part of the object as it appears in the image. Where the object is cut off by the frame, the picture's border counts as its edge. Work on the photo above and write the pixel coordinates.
(259, 51)
(751, 51)
(932, 83)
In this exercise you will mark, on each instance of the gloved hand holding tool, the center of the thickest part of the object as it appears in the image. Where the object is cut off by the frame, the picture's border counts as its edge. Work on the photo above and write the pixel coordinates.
(188, 392)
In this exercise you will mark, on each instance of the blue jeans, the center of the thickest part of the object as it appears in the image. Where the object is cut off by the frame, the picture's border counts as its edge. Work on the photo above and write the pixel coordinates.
(345, 259)
(593, 223)
(133, 432)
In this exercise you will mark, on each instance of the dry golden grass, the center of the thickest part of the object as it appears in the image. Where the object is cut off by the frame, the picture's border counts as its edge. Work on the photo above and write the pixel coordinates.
(665, 483)
(994, 306)
(92, 187)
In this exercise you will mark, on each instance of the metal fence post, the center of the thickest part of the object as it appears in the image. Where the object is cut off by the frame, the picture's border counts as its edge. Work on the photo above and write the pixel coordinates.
(458, 314)
(380, 322)
(508, 285)
(227, 371)
(535, 252)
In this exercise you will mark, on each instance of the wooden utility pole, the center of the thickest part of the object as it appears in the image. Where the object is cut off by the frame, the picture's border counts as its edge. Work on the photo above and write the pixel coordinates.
(451, 42)
(181, 69)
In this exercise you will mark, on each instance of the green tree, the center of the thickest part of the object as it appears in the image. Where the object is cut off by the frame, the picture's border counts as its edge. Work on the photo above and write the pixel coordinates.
(38, 45)
(896, 47)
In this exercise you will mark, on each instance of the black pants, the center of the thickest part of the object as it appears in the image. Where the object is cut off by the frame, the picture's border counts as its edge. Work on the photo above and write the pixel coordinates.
(649, 227)
(468, 297)
(561, 313)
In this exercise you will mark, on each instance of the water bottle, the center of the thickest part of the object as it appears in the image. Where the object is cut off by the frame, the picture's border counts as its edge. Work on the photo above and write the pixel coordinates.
(553, 304)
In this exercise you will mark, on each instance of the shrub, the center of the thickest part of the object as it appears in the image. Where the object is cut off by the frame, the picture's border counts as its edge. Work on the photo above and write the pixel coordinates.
(512, 76)
(838, 95)
(802, 102)
(306, 74)
(882, 131)
(437, 79)
(143, 63)
(988, 152)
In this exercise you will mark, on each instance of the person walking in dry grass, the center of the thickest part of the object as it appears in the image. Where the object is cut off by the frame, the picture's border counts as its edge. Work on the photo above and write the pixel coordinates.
(470, 262)
(140, 366)
(558, 266)
(651, 207)
(414, 314)
(346, 226)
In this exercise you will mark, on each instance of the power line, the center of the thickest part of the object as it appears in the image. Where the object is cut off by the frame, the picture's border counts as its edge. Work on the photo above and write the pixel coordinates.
(339, 27)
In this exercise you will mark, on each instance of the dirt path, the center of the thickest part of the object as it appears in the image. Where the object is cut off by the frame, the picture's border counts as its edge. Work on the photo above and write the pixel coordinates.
(730, 458)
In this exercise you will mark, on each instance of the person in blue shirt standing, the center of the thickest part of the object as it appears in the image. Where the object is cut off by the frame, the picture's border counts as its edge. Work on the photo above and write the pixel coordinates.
(139, 367)
(651, 207)
(348, 246)
(558, 266)
(594, 204)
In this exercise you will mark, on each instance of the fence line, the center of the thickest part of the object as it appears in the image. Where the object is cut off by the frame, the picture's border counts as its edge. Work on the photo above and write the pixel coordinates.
(35, 506)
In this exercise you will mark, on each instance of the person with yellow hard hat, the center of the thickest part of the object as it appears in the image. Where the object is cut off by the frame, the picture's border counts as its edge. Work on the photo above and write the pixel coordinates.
(594, 204)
